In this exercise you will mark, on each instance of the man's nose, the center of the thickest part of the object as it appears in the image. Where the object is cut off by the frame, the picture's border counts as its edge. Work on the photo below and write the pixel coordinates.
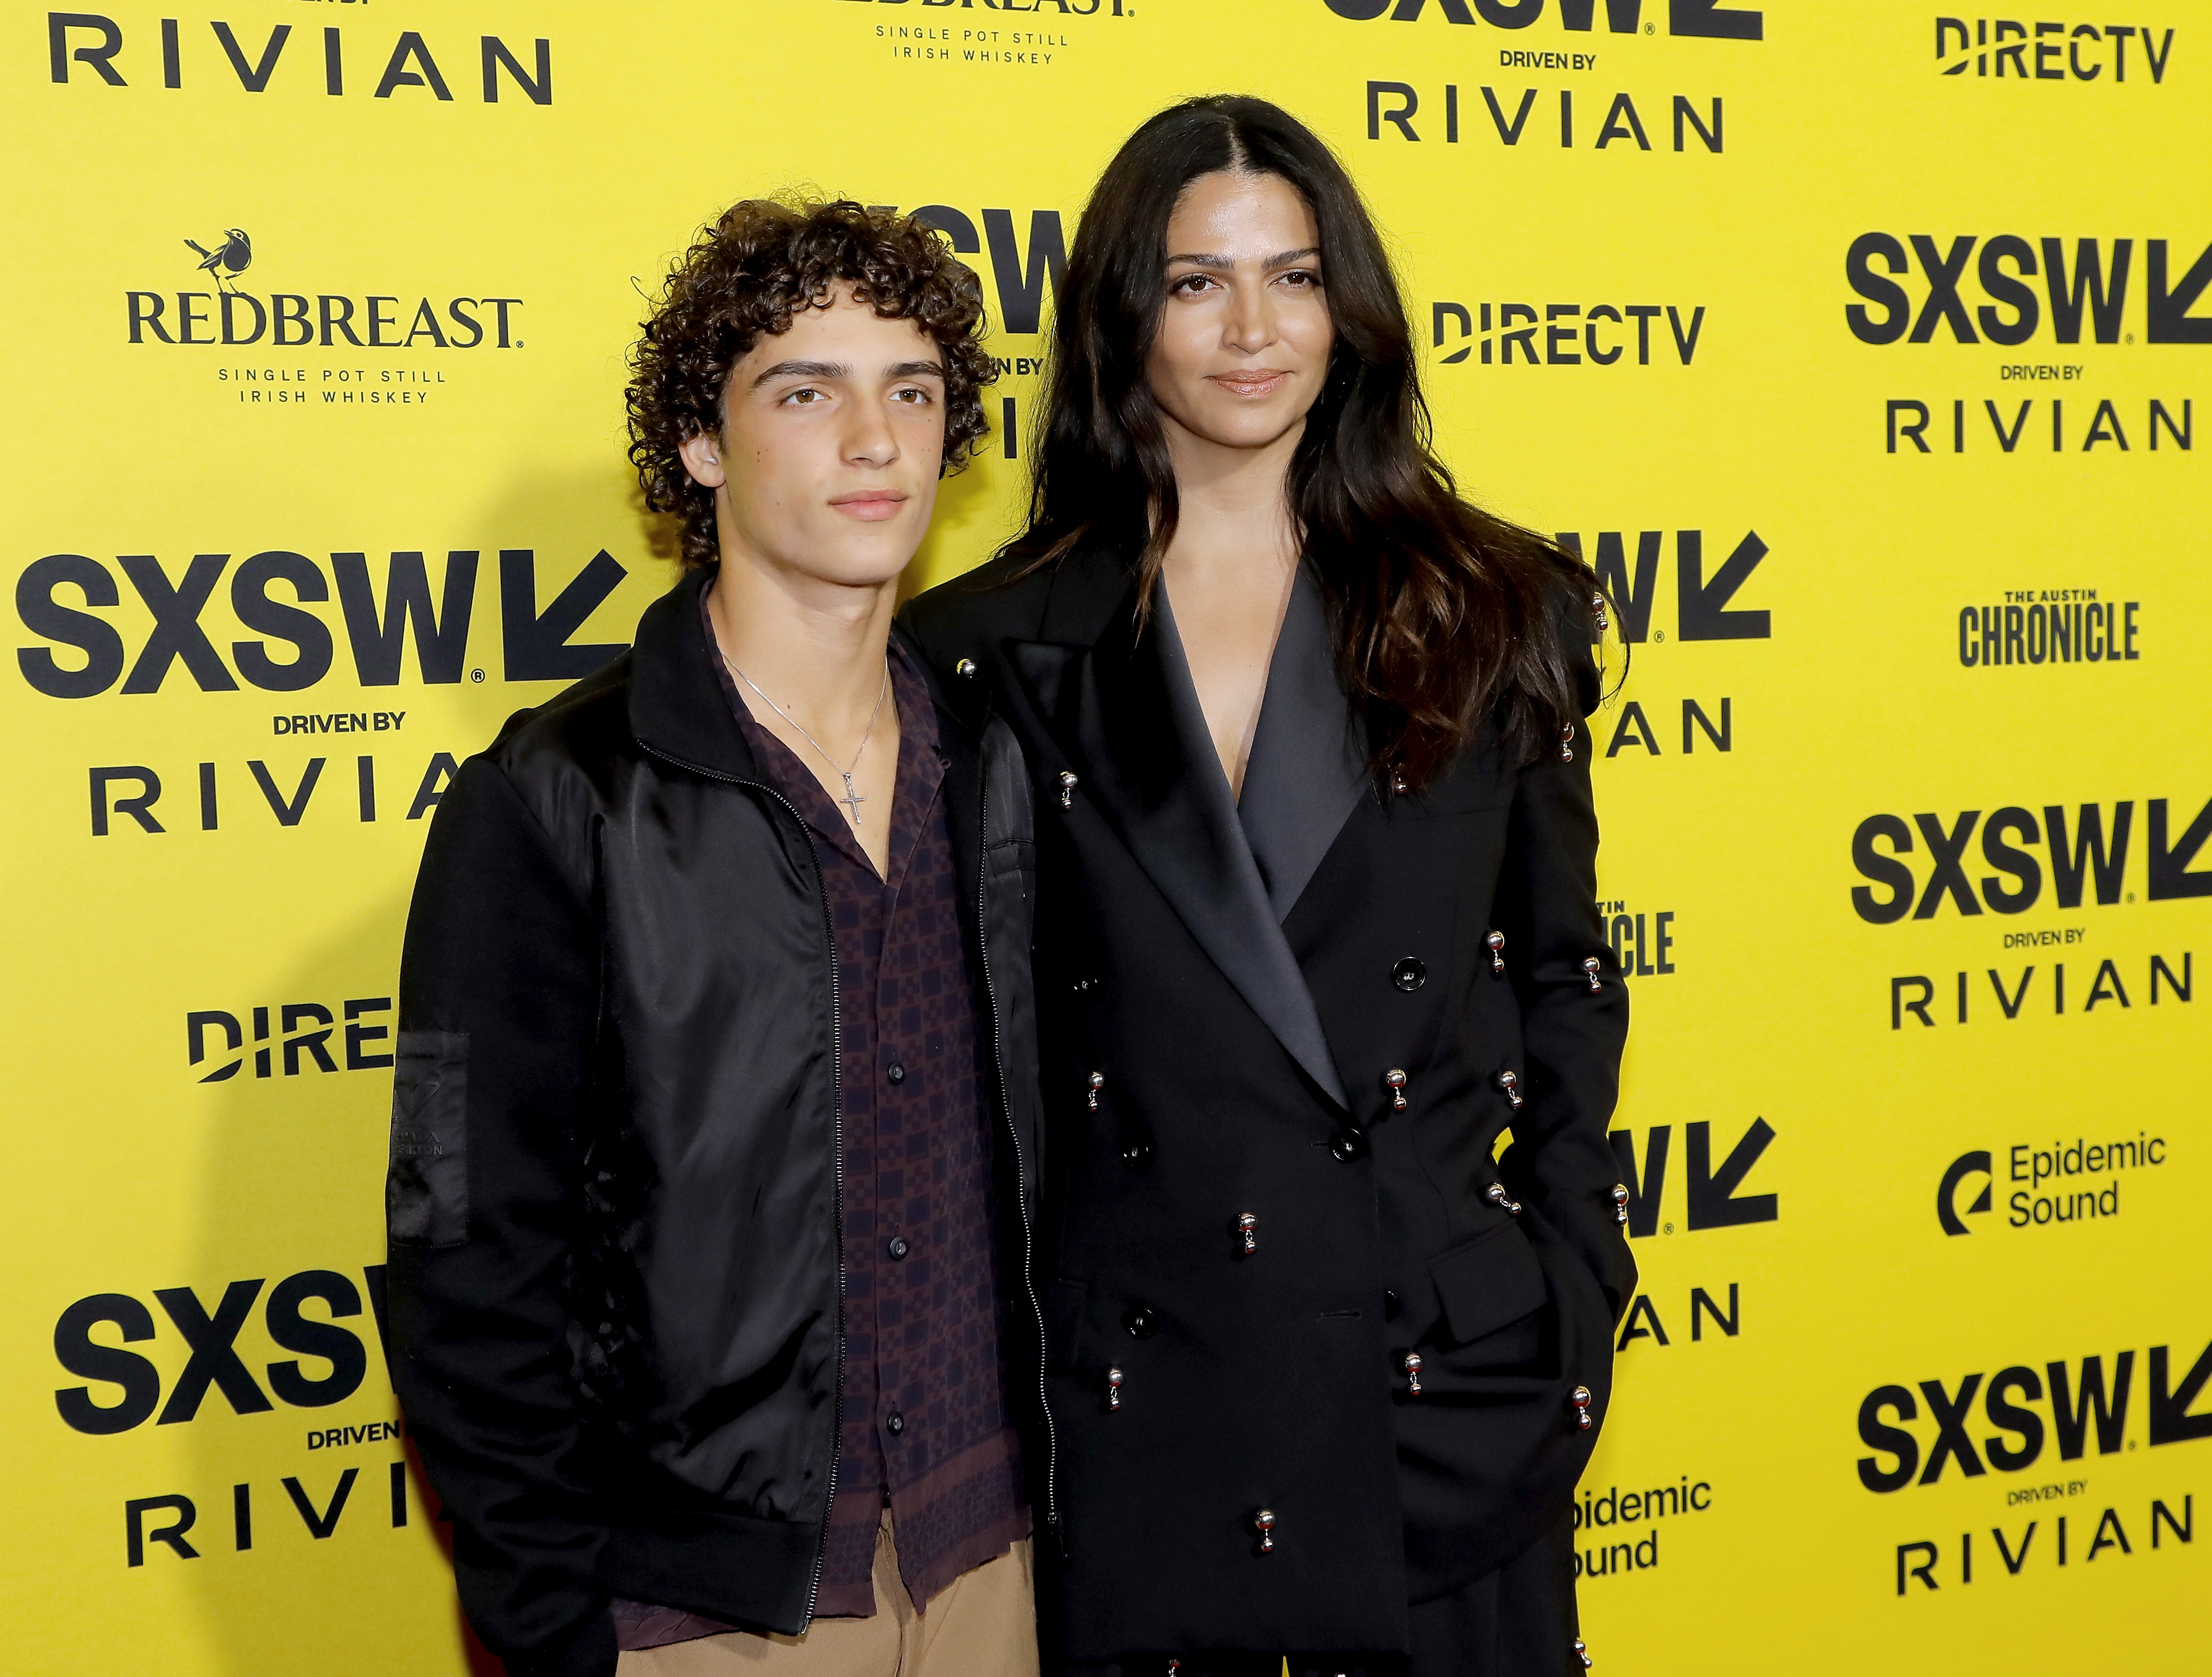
(870, 438)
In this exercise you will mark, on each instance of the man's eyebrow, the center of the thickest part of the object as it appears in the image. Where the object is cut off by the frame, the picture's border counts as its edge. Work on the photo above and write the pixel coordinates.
(915, 370)
(1199, 260)
(802, 369)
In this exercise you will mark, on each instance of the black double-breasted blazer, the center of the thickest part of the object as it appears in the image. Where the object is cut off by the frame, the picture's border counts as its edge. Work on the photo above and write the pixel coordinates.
(1279, 1053)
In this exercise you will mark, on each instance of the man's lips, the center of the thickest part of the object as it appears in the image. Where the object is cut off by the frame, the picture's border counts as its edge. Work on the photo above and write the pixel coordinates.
(870, 505)
(1264, 381)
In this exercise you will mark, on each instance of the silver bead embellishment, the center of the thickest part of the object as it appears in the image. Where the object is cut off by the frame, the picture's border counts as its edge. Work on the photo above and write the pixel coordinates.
(1566, 743)
(1497, 1196)
(1113, 1390)
(1394, 1081)
(1590, 971)
(1495, 943)
(1582, 1653)
(1620, 1204)
(1098, 1083)
(1511, 1085)
(1067, 785)
(1580, 1397)
(1597, 604)
(1413, 1365)
(1247, 1230)
(1398, 783)
(1263, 1521)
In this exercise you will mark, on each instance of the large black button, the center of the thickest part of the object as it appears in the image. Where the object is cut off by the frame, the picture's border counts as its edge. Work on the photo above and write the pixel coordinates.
(1349, 1143)
(1409, 974)
(898, 1248)
(1142, 1321)
(894, 1423)
(1137, 1155)
(895, 1072)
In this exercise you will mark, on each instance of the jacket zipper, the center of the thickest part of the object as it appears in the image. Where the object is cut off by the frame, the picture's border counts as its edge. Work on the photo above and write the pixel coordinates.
(836, 1151)
(1021, 1166)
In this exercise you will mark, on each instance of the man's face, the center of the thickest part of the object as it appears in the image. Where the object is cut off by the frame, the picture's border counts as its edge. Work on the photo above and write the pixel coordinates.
(832, 434)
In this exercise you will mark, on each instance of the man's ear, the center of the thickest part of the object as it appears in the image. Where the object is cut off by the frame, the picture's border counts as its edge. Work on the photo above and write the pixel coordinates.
(701, 455)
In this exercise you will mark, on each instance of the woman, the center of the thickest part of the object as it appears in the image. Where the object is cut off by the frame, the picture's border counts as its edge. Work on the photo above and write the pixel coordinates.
(1315, 925)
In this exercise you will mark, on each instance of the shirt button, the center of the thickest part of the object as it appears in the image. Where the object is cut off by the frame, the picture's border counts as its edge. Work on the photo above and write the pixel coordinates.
(894, 1423)
(898, 1248)
(896, 1072)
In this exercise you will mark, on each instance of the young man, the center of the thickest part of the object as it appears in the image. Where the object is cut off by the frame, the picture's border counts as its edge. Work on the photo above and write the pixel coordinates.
(715, 1054)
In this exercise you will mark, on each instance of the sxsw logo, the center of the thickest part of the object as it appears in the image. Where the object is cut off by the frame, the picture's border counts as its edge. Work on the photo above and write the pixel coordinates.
(2087, 287)
(2002, 47)
(1705, 18)
(91, 1337)
(61, 598)
(89, 49)
(1710, 1197)
(1021, 276)
(2084, 852)
(2083, 1406)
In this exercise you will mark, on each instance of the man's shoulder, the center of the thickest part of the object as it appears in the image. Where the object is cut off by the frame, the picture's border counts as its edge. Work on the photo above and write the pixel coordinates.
(579, 730)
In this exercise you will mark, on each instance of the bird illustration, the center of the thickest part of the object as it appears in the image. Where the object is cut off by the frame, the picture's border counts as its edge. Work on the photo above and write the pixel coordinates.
(228, 260)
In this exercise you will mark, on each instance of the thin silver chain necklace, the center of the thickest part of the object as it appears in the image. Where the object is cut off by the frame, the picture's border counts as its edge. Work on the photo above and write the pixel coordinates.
(852, 801)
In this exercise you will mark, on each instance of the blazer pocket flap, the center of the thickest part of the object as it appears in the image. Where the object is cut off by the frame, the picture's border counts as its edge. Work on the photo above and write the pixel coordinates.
(1488, 1283)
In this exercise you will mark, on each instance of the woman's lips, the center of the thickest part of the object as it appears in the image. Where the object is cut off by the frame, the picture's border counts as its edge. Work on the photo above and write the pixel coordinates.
(871, 505)
(1252, 385)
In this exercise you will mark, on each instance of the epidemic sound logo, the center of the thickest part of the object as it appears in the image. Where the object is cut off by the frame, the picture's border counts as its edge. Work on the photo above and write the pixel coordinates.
(90, 51)
(2060, 1163)
(1702, 18)
(2077, 1393)
(2095, 856)
(536, 644)
(2080, 52)
(2094, 287)
(294, 319)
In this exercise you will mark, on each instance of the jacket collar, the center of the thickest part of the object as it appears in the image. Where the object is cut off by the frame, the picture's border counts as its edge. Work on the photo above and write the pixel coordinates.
(1123, 710)
(677, 706)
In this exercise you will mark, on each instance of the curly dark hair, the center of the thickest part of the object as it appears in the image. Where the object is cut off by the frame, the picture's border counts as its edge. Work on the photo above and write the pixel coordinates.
(746, 275)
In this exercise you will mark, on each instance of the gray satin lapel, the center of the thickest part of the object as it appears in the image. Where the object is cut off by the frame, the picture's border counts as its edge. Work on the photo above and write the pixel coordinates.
(1307, 773)
(1225, 901)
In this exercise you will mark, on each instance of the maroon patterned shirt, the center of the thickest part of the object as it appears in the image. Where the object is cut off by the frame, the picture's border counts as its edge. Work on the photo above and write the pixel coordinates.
(927, 1429)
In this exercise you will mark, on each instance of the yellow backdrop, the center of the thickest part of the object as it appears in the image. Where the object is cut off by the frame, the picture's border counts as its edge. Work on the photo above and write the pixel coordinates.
(1860, 345)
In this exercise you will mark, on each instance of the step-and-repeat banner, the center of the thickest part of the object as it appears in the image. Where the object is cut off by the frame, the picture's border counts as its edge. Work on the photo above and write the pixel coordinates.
(1861, 348)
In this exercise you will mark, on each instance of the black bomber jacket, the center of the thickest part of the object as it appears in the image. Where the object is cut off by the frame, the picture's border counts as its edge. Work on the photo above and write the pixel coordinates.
(613, 1197)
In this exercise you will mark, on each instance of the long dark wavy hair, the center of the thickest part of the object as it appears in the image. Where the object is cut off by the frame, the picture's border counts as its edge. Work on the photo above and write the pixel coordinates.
(1444, 616)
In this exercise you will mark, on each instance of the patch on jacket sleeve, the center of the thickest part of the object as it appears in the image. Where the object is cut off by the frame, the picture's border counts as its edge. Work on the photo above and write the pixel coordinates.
(426, 1188)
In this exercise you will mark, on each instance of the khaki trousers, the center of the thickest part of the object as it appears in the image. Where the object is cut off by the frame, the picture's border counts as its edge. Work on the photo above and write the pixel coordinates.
(982, 1624)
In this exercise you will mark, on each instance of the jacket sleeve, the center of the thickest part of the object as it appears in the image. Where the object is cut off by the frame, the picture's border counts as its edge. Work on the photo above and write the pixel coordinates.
(1572, 1037)
(498, 1010)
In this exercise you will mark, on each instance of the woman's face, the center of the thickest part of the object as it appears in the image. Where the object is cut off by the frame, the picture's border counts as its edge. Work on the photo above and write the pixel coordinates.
(1245, 333)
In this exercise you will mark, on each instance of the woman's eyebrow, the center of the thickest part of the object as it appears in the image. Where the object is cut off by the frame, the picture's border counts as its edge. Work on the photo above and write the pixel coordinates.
(1201, 260)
